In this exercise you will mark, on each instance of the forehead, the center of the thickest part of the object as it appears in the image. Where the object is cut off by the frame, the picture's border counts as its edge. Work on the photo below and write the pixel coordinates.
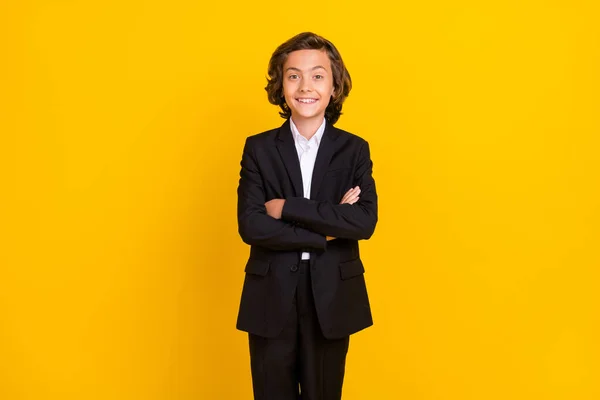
(307, 59)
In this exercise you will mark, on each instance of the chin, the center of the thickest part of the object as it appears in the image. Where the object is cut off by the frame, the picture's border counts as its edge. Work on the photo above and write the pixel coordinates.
(308, 115)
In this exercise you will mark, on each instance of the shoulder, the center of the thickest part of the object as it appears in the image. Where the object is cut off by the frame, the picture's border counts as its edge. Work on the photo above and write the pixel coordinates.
(266, 135)
(349, 137)
(262, 138)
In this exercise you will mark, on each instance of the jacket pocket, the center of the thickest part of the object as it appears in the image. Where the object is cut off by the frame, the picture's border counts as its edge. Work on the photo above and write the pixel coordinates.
(351, 269)
(257, 267)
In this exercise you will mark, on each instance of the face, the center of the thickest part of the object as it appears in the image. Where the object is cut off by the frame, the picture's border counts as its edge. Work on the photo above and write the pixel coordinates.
(307, 84)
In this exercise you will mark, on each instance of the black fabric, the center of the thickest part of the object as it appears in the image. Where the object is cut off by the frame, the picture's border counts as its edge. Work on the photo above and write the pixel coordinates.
(270, 169)
(300, 363)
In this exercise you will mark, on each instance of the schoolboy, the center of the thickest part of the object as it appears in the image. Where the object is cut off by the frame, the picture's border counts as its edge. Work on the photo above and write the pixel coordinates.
(306, 196)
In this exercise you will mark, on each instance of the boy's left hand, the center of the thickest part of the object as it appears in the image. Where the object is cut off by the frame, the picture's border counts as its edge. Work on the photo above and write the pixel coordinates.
(275, 207)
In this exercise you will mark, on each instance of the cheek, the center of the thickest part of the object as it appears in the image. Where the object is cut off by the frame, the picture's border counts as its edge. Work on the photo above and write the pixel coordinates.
(327, 89)
(327, 93)
(288, 90)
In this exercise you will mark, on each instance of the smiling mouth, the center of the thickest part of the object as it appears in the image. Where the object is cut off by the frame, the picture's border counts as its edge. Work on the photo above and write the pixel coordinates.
(307, 101)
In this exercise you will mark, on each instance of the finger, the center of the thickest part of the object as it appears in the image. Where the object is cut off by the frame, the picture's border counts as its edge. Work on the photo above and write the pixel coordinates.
(351, 200)
(345, 199)
(354, 194)
(350, 191)
(348, 194)
(355, 191)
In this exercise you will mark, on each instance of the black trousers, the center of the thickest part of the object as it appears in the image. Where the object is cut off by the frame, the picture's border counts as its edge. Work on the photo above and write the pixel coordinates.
(299, 363)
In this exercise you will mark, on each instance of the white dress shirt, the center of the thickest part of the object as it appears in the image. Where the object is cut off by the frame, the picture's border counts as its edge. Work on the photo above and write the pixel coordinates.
(307, 154)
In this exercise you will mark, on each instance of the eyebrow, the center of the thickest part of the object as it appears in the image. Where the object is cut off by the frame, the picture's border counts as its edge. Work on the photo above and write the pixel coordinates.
(312, 69)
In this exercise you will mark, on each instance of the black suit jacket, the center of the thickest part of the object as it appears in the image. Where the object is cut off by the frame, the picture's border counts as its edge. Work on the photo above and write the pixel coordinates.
(271, 169)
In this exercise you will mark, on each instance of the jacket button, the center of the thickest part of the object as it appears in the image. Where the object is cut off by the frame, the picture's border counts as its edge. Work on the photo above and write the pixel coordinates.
(294, 268)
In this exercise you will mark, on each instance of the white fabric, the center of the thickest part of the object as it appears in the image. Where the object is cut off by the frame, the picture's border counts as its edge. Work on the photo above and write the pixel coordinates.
(307, 154)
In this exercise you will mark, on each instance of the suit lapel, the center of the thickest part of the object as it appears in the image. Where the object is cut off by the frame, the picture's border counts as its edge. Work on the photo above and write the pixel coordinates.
(326, 150)
(289, 155)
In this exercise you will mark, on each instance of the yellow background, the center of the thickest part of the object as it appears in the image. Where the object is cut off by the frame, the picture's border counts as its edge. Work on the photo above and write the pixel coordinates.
(122, 126)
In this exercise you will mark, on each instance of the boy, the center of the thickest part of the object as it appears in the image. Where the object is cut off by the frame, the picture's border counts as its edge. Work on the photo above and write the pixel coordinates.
(305, 198)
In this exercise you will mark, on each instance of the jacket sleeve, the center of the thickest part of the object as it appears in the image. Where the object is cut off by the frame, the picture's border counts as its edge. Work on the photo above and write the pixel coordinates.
(356, 221)
(255, 226)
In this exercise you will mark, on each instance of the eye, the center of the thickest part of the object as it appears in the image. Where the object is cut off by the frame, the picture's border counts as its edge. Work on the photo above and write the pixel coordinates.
(319, 76)
(293, 76)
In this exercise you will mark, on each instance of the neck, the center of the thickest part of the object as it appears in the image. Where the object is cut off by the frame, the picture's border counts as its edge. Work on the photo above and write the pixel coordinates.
(308, 127)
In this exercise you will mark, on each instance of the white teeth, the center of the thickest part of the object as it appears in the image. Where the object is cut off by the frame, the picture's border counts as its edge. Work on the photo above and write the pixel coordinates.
(307, 101)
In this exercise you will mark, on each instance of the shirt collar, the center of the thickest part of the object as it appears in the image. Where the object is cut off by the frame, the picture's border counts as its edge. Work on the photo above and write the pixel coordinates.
(317, 136)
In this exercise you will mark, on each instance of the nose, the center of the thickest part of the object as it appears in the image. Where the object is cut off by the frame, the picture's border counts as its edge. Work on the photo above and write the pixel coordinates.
(306, 86)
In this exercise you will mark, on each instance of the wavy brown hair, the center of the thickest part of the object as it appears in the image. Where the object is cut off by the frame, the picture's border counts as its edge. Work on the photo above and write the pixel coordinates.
(308, 41)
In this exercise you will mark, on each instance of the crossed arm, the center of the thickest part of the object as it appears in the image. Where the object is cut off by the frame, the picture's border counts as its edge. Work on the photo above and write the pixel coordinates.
(275, 207)
(299, 223)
